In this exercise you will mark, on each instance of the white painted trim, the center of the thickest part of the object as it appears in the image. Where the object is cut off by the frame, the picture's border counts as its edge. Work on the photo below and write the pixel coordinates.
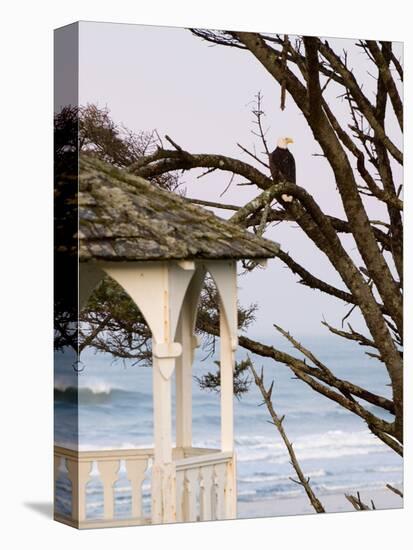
(203, 460)
(224, 274)
(187, 265)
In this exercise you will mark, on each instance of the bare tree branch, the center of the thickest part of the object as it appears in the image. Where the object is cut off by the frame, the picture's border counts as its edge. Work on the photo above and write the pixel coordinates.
(396, 491)
(385, 74)
(278, 423)
(363, 103)
(357, 503)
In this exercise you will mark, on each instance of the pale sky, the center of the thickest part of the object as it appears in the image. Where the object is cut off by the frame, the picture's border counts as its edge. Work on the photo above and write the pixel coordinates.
(199, 94)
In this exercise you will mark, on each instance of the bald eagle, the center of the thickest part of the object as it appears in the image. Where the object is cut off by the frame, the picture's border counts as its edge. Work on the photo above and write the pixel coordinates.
(282, 164)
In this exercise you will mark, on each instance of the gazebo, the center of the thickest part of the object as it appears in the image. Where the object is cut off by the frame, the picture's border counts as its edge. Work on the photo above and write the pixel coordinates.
(159, 247)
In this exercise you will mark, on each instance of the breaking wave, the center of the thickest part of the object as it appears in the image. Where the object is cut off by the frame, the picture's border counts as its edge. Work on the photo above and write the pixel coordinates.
(331, 444)
(96, 391)
(264, 477)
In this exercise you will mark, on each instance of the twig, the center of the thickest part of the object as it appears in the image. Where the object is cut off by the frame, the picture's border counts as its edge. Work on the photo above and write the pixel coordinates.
(159, 138)
(259, 113)
(306, 352)
(177, 147)
(209, 171)
(351, 335)
(213, 204)
(252, 155)
(347, 315)
(231, 179)
(326, 84)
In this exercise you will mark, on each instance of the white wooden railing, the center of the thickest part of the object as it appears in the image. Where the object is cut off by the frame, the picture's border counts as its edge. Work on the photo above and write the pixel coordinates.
(204, 485)
(106, 467)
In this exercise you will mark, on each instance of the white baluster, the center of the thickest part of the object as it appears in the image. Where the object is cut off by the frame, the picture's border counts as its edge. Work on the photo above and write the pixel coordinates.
(205, 498)
(135, 469)
(219, 484)
(190, 500)
(109, 470)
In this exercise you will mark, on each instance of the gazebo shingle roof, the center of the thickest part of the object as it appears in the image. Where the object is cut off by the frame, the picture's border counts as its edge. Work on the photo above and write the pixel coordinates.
(123, 217)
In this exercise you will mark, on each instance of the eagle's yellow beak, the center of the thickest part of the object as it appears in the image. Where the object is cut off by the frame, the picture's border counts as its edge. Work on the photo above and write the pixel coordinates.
(289, 140)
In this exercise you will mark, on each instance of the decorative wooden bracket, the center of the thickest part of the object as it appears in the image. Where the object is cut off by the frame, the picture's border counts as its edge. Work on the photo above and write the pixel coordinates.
(166, 353)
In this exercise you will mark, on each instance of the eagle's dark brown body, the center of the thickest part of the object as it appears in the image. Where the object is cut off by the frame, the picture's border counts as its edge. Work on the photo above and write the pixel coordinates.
(282, 165)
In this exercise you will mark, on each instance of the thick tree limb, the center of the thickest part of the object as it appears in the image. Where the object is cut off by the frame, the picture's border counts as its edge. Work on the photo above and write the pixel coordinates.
(165, 160)
(398, 66)
(341, 226)
(313, 78)
(385, 172)
(386, 76)
(257, 203)
(313, 282)
(387, 439)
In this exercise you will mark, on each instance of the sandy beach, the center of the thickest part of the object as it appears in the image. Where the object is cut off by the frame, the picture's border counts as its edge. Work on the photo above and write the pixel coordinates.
(383, 499)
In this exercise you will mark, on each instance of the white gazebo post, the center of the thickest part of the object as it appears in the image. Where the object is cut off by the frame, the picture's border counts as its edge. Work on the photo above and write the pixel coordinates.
(163, 469)
(225, 276)
(183, 381)
(189, 342)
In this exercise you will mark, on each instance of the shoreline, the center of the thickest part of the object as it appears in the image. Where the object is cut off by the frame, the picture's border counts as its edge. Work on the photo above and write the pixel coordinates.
(384, 499)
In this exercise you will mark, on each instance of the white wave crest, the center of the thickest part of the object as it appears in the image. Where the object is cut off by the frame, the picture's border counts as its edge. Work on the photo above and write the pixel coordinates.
(331, 444)
(263, 478)
(93, 385)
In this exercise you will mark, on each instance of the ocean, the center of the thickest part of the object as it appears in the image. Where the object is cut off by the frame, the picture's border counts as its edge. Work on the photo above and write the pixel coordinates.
(334, 447)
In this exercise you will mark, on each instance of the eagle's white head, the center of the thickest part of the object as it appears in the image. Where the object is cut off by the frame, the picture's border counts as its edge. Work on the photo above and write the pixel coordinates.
(283, 142)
